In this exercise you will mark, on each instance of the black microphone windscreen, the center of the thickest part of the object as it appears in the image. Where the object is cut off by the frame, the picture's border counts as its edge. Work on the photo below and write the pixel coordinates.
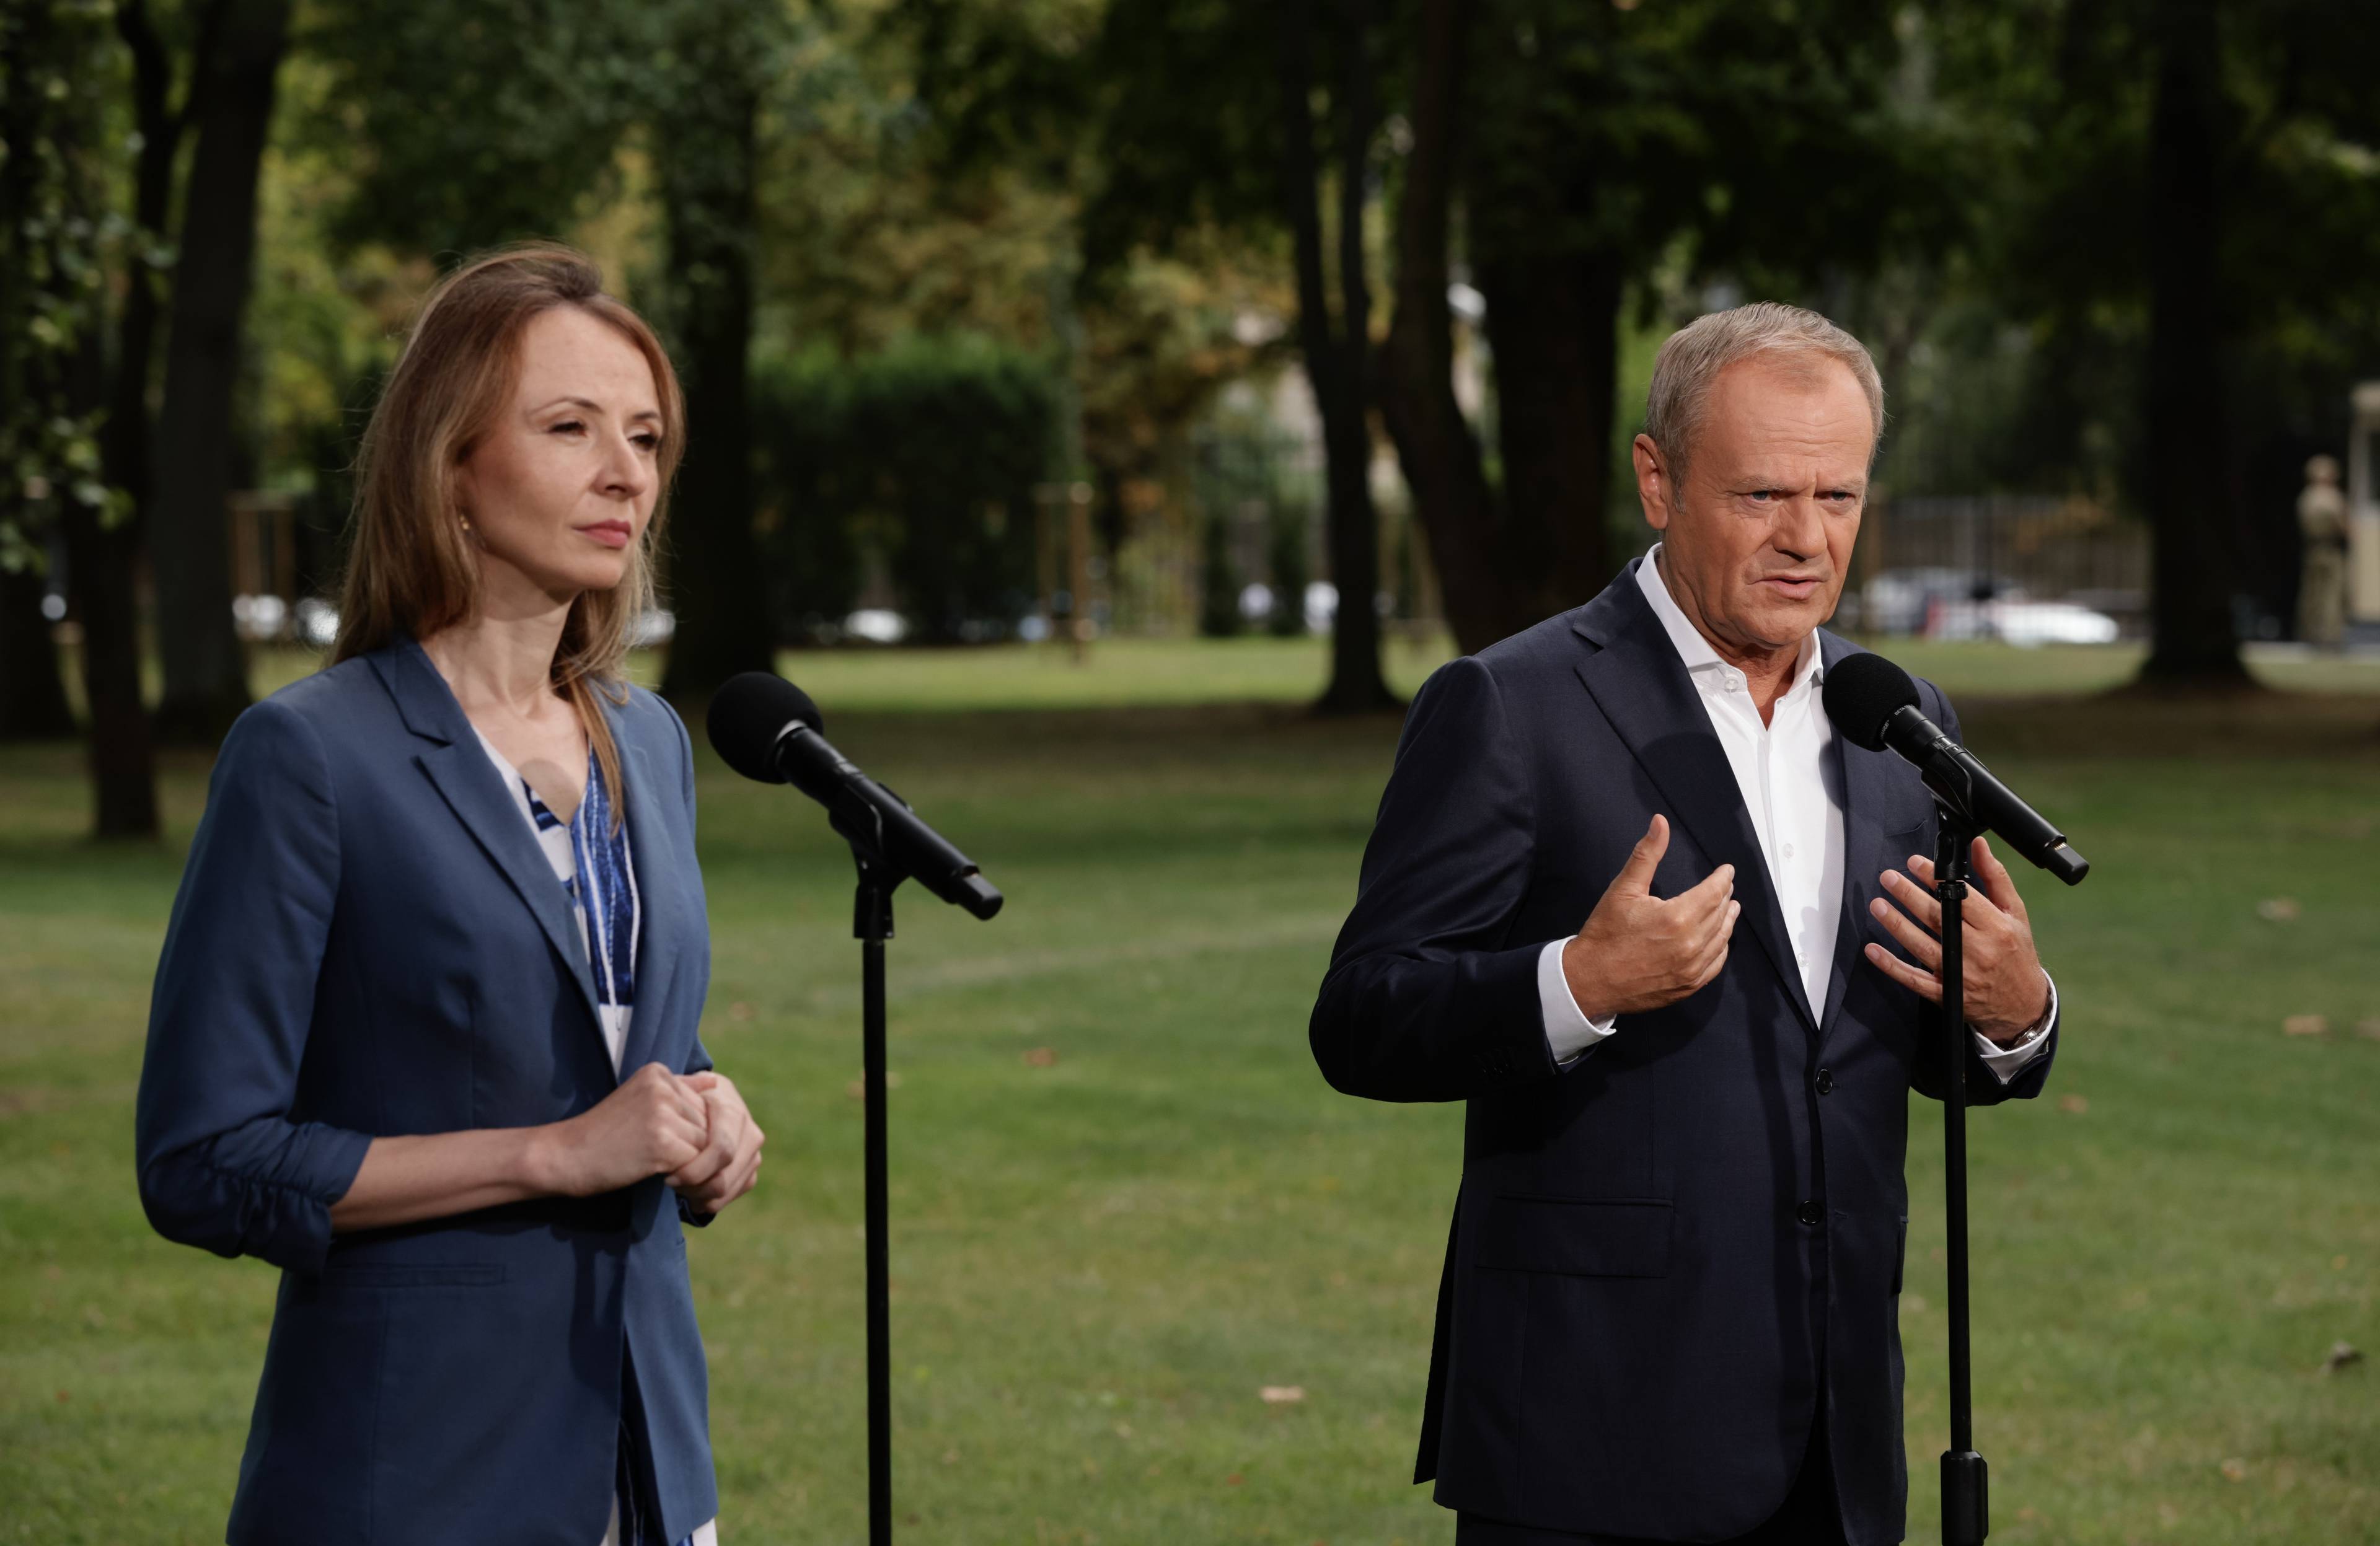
(749, 714)
(1861, 691)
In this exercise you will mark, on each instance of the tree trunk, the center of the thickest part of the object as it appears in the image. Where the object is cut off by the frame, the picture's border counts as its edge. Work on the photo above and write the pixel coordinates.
(705, 174)
(205, 667)
(1506, 559)
(103, 566)
(1334, 361)
(1554, 320)
(1458, 512)
(32, 692)
(2193, 639)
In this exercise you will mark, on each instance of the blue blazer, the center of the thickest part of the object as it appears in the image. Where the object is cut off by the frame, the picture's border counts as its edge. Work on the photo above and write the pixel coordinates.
(1672, 1256)
(367, 940)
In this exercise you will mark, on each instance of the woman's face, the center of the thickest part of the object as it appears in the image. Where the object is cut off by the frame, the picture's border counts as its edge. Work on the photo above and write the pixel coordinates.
(559, 488)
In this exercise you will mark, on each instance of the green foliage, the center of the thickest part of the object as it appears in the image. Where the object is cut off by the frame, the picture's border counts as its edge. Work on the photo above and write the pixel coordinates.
(1760, 136)
(467, 124)
(928, 452)
(2044, 107)
(57, 62)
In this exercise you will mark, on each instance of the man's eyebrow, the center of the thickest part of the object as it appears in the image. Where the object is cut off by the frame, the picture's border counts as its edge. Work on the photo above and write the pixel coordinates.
(594, 407)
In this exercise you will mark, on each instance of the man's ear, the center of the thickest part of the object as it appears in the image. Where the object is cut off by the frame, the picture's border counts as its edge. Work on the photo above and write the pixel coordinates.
(1654, 487)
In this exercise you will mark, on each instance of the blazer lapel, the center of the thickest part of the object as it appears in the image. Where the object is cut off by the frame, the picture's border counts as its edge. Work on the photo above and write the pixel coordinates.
(469, 783)
(1869, 781)
(661, 901)
(1643, 689)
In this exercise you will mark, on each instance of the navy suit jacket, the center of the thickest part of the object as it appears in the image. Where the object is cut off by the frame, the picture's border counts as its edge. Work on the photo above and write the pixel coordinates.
(367, 940)
(1635, 1325)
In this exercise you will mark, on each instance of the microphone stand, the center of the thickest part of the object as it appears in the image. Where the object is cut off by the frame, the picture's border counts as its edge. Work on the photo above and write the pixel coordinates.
(1965, 1518)
(872, 925)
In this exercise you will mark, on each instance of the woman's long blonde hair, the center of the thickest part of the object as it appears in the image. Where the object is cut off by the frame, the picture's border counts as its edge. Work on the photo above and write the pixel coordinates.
(410, 566)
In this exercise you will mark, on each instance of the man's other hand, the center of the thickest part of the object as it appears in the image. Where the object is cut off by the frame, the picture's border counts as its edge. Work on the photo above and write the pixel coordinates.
(2007, 992)
(1637, 951)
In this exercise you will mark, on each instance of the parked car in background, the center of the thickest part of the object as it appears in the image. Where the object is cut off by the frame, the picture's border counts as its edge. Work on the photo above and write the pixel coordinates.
(1952, 603)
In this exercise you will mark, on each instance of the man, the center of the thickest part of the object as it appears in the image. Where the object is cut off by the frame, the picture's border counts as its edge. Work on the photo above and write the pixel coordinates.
(1632, 898)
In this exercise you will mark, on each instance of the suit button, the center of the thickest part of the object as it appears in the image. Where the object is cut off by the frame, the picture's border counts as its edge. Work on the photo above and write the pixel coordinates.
(1826, 1081)
(1811, 1214)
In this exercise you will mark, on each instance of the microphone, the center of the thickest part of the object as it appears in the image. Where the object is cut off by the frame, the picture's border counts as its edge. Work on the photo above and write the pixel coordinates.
(767, 729)
(1873, 702)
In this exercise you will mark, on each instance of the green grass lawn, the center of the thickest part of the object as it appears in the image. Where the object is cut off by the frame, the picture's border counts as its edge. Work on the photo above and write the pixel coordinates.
(1101, 1254)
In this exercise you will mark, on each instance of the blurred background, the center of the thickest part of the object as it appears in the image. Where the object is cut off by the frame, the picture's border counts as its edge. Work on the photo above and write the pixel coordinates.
(1111, 410)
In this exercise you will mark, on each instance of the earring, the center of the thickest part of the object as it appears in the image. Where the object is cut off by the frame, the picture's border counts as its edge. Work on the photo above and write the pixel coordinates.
(466, 520)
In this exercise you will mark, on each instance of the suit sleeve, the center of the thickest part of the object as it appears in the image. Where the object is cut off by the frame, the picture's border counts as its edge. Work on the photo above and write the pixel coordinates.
(223, 1165)
(699, 1059)
(1984, 1086)
(1426, 999)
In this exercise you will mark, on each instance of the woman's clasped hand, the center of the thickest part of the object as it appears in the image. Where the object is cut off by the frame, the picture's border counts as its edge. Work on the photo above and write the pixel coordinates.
(693, 1129)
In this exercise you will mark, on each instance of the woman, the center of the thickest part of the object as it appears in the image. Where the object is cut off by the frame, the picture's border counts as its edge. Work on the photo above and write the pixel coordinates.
(423, 1034)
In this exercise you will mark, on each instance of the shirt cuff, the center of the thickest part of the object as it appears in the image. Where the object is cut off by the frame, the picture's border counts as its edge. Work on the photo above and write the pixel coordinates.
(1568, 1031)
(2007, 1062)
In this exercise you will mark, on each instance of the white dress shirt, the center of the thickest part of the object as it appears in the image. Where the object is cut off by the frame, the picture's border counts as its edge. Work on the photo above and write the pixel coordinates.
(1797, 813)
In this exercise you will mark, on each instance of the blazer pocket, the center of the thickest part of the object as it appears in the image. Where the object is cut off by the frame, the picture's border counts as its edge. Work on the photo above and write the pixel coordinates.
(406, 1274)
(1577, 1237)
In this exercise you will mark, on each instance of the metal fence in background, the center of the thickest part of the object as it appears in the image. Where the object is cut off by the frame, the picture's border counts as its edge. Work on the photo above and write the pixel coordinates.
(2029, 569)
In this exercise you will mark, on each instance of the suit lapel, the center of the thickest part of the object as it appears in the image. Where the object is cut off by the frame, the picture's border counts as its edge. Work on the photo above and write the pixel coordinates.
(1870, 782)
(659, 899)
(1644, 689)
(467, 781)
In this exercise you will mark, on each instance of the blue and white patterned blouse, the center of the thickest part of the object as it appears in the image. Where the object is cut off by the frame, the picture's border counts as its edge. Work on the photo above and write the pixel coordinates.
(590, 856)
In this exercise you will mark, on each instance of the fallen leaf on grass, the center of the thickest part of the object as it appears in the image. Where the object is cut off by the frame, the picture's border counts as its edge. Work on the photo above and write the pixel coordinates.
(2343, 1355)
(1281, 1395)
(1041, 1057)
(1233, 1479)
(739, 1010)
(2078, 1104)
(2306, 1025)
(2369, 1028)
(2277, 909)
(2235, 1470)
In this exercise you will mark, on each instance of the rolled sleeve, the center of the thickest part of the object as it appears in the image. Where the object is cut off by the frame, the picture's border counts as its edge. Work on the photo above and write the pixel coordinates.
(224, 1165)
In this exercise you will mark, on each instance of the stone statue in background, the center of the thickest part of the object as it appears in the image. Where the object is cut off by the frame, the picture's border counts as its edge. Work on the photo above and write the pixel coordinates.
(2322, 588)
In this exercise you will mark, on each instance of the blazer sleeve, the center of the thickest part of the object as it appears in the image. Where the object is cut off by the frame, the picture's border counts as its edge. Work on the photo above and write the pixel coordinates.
(222, 1163)
(1426, 999)
(699, 1060)
(1983, 1087)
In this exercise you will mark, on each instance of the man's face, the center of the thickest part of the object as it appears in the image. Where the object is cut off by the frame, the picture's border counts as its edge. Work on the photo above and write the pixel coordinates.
(1756, 539)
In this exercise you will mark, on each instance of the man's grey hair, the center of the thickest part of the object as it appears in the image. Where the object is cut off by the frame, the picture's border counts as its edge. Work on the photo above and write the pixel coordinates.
(1695, 355)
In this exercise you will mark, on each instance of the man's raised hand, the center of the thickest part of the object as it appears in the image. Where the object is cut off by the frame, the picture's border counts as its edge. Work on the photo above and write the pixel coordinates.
(2007, 992)
(1637, 951)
